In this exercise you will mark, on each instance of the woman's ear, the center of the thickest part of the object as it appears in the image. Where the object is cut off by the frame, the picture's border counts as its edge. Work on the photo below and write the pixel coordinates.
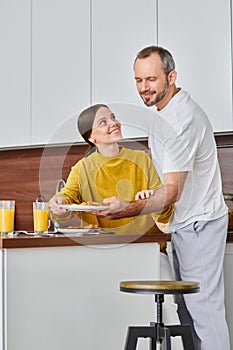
(92, 140)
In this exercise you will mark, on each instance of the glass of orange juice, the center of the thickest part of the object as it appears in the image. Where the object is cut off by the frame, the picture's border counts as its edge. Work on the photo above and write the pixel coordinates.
(40, 217)
(7, 216)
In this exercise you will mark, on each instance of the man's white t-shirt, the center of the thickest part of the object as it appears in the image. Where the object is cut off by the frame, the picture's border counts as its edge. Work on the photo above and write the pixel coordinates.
(181, 139)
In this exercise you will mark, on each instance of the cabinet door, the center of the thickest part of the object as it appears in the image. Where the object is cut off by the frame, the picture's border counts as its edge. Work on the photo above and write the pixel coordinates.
(119, 30)
(228, 261)
(15, 63)
(68, 297)
(60, 68)
(198, 34)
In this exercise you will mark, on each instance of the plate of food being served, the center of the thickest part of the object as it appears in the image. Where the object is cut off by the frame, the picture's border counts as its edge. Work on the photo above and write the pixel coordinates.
(84, 206)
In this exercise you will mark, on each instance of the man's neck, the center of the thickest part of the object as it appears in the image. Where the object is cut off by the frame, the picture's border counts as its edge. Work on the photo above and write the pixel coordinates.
(171, 92)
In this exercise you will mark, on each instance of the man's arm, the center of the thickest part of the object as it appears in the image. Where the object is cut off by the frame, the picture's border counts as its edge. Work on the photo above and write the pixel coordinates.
(168, 194)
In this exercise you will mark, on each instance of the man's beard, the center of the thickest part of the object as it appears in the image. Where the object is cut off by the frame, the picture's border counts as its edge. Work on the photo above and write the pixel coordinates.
(159, 97)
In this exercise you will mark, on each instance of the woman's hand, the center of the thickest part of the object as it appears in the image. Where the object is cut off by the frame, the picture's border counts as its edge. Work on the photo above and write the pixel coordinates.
(144, 194)
(54, 205)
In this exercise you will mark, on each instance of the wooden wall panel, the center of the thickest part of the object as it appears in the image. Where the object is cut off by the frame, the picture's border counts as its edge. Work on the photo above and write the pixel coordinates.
(26, 173)
(225, 156)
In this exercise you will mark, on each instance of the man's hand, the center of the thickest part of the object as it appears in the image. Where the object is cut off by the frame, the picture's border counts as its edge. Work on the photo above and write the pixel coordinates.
(115, 210)
(118, 208)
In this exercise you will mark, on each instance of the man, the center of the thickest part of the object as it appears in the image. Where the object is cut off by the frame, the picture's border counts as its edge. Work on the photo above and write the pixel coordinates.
(182, 143)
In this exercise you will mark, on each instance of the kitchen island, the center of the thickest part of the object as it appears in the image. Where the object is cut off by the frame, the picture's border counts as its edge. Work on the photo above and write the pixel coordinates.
(63, 292)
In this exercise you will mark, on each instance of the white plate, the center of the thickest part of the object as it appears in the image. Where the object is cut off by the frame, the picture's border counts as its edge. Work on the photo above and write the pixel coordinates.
(78, 232)
(74, 230)
(76, 207)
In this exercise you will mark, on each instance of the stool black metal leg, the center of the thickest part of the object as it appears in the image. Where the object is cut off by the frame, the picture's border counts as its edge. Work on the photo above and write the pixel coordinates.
(157, 333)
(152, 340)
(139, 332)
(166, 339)
(152, 344)
(185, 332)
(131, 339)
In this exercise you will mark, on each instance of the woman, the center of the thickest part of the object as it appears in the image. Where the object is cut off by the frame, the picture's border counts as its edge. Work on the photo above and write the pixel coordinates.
(110, 170)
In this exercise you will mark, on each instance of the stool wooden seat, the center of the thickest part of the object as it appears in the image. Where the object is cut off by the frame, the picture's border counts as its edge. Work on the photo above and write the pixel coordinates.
(158, 332)
(159, 287)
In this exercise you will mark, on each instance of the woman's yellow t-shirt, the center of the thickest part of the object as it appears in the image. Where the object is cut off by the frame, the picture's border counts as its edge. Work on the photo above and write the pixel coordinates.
(96, 177)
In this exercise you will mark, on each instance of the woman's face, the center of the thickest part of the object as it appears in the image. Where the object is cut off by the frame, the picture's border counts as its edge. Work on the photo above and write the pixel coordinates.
(105, 129)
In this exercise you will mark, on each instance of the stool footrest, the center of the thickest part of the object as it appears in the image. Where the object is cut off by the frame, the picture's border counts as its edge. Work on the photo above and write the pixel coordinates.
(158, 334)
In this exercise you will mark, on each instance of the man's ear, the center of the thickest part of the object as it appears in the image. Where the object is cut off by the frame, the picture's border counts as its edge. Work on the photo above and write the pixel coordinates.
(172, 77)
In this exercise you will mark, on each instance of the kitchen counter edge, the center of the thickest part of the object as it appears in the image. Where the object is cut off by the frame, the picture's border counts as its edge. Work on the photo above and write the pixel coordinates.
(23, 241)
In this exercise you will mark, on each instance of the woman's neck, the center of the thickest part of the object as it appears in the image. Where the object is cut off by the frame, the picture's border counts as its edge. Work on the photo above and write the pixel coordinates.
(108, 150)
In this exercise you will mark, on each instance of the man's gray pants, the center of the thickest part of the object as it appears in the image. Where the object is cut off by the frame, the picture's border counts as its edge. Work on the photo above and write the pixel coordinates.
(198, 253)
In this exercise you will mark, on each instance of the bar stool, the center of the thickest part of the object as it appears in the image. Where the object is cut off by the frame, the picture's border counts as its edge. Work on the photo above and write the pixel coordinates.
(158, 332)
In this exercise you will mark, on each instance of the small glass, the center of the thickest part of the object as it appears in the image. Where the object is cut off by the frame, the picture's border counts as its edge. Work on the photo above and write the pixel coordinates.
(41, 217)
(7, 217)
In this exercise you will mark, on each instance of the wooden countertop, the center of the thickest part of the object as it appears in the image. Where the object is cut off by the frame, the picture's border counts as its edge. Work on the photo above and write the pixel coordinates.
(230, 236)
(58, 240)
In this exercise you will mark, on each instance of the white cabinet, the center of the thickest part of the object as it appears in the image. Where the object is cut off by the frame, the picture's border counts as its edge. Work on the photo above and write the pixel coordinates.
(198, 34)
(119, 30)
(15, 69)
(68, 297)
(59, 56)
(60, 68)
